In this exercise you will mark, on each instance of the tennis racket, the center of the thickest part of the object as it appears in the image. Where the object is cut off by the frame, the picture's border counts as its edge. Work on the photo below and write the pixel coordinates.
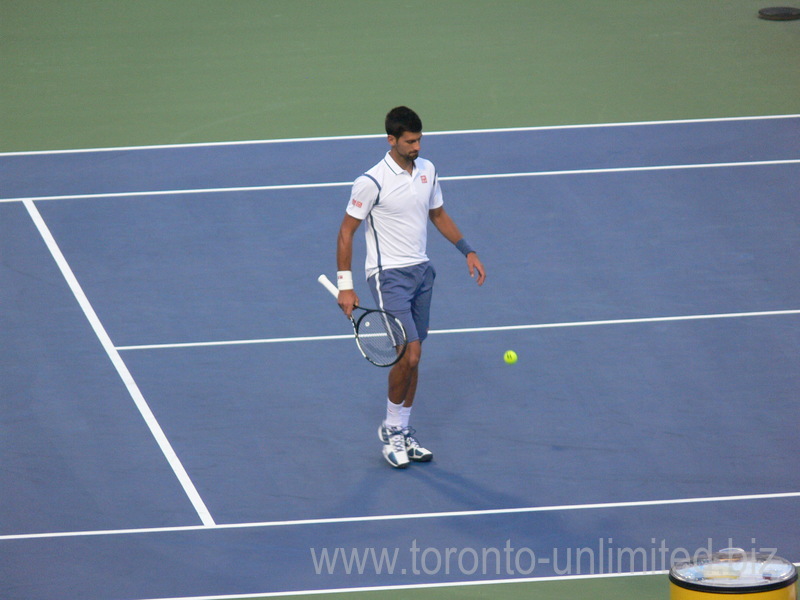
(380, 336)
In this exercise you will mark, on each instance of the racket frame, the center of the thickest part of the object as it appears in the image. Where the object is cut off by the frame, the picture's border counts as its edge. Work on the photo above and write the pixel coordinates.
(381, 314)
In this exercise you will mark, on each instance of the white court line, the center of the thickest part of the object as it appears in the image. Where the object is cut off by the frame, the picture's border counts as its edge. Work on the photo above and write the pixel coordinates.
(222, 190)
(319, 338)
(311, 338)
(751, 163)
(120, 366)
(409, 516)
(381, 135)
(417, 586)
(302, 186)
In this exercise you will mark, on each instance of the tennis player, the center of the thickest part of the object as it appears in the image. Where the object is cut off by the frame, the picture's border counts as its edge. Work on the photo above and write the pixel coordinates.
(396, 198)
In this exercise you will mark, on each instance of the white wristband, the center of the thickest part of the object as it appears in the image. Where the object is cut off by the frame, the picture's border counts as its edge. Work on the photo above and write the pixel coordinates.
(344, 280)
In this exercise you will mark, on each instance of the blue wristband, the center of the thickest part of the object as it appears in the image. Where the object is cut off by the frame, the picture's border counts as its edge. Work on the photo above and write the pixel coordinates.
(464, 247)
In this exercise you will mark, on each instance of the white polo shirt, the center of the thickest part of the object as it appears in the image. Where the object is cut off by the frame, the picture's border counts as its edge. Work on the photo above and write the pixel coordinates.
(394, 204)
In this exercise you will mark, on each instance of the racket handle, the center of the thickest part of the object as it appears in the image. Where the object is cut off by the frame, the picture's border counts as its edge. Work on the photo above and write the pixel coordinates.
(326, 283)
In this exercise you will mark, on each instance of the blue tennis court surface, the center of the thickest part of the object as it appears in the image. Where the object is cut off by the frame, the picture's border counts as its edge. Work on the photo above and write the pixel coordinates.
(185, 414)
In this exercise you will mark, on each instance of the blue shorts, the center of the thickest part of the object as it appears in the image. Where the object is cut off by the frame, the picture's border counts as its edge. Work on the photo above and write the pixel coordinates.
(406, 293)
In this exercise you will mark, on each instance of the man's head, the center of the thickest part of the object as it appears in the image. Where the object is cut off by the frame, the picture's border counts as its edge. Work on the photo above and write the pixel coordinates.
(402, 119)
(404, 129)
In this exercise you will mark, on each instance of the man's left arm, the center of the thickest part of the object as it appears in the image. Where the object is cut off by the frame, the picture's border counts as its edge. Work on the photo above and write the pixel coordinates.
(447, 227)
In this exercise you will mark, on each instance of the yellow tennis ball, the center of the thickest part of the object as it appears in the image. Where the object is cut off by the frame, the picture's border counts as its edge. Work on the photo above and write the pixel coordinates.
(510, 357)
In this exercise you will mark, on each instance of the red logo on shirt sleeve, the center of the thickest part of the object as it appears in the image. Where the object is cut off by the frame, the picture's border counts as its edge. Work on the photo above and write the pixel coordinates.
(355, 202)
(423, 178)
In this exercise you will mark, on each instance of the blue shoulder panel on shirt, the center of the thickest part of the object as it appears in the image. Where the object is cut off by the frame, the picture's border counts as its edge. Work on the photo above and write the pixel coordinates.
(375, 181)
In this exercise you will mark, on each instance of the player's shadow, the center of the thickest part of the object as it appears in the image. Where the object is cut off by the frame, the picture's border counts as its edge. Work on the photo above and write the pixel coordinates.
(420, 488)
(463, 493)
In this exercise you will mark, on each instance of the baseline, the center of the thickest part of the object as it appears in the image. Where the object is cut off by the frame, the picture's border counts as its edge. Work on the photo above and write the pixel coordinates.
(407, 517)
(380, 136)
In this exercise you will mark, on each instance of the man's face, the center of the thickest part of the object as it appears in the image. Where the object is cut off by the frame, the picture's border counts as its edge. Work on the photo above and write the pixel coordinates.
(407, 145)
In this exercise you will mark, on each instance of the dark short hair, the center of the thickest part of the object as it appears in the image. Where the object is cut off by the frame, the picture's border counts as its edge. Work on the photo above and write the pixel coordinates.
(401, 119)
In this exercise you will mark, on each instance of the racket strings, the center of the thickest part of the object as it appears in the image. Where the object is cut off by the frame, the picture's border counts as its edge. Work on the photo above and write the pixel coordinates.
(381, 337)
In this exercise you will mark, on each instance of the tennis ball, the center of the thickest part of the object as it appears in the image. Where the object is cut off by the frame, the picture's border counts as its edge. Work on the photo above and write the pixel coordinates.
(510, 357)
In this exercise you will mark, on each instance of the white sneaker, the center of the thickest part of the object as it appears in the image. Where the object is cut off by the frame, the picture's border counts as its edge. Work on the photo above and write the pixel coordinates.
(394, 448)
(414, 451)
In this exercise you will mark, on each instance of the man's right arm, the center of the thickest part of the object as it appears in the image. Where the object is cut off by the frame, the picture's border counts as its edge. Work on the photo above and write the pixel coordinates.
(344, 258)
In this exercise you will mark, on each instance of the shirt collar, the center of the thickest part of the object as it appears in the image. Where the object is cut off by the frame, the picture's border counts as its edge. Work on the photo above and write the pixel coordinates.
(397, 169)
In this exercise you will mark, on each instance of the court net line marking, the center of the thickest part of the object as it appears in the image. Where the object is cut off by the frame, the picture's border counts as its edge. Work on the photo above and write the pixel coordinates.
(319, 338)
(410, 516)
(305, 186)
(119, 365)
(381, 136)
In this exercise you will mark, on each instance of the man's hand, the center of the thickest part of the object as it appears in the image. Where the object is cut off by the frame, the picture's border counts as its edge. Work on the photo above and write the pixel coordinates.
(475, 266)
(347, 301)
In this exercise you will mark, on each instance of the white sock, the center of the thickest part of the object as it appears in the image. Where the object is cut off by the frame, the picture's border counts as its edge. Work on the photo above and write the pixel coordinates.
(393, 414)
(405, 416)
